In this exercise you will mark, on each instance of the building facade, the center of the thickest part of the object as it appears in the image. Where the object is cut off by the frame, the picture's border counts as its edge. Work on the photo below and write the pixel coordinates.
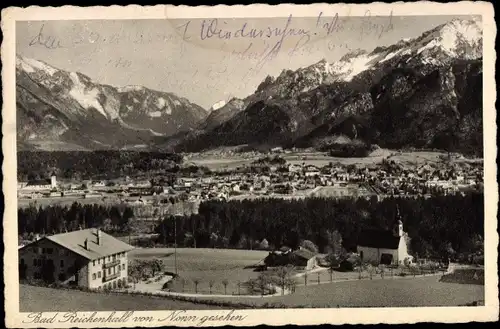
(86, 258)
(384, 247)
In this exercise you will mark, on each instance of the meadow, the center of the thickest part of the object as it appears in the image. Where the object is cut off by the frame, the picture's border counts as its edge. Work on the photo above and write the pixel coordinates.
(408, 158)
(206, 265)
(401, 292)
(66, 201)
(40, 299)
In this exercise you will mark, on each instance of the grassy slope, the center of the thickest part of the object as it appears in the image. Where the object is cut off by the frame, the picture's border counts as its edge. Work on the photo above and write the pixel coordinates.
(206, 265)
(39, 299)
(407, 292)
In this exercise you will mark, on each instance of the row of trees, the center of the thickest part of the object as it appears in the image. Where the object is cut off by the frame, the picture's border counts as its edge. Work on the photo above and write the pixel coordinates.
(441, 226)
(96, 164)
(58, 219)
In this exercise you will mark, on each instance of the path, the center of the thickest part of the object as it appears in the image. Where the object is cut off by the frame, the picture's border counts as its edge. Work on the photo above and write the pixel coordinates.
(148, 288)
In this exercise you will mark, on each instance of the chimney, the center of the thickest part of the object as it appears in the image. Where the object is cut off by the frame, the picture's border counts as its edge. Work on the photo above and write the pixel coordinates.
(98, 236)
(86, 244)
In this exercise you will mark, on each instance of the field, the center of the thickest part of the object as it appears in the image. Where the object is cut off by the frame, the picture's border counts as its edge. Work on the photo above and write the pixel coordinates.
(402, 292)
(39, 299)
(220, 162)
(206, 265)
(66, 201)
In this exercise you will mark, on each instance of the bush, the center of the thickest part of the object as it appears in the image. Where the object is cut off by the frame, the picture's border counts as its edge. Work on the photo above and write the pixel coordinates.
(346, 266)
(309, 245)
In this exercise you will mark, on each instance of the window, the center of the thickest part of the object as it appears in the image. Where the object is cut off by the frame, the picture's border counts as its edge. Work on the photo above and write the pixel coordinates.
(99, 261)
(123, 266)
(34, 262)
(109, 270)
(99, 274)
(61, 263)
(50, 251)
(93, 276)
(43, 250)
(61, 252)
(93, 263)
(114, 258)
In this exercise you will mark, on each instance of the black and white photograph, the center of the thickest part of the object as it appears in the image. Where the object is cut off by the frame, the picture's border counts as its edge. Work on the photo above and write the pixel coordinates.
(239, 163)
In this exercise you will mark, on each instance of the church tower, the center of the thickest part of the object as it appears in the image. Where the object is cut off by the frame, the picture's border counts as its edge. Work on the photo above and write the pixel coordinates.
(398, 225)
(53, 180)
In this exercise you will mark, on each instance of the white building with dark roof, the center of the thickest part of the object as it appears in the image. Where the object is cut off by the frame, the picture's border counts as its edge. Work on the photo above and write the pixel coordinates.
(87, 258)
(39, 185)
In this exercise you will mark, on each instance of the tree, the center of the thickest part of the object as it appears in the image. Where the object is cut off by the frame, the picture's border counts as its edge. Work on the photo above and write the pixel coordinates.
(239, 287)
(156, 266)
(251, 285)
(360, 266)
(210, 285)
(196, 282)
(128, 214)
(331, 271)
(283, 274)
(263, 281)
(371, 269)
(382, 270)
(182, 281)
(333, 260)
(309, 245)
(291, 284)
(225, 282)
(135, 273)
(335, 242)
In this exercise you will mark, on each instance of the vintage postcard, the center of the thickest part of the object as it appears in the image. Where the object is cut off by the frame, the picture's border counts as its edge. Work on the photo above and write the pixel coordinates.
(245, 165)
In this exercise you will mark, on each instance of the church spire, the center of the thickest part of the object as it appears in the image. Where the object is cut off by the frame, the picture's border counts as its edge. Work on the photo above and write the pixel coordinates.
(398, 224)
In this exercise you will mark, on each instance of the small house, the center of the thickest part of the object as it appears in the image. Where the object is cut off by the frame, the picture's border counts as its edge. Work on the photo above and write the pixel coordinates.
(304, 258)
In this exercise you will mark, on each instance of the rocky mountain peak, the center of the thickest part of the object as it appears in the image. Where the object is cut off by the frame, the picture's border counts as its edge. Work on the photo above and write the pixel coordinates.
(69, 107)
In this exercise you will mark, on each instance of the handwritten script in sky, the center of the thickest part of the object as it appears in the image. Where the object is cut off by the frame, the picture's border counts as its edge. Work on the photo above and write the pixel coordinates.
(210, 59)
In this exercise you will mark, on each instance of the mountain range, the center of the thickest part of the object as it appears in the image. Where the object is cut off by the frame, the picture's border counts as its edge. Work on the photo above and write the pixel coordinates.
(69, 109)
(424, 92)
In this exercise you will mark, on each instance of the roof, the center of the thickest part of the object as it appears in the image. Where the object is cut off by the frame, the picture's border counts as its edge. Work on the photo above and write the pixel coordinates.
(304, 253)
(39, 182)
(284, 249)
(378, 239)
(75, 240)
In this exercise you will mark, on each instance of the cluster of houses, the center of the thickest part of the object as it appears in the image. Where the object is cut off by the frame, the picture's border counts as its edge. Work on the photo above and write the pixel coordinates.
(374, 247)
(285, 179)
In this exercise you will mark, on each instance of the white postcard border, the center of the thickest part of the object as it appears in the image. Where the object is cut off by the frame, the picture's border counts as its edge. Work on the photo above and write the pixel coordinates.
(489, 312)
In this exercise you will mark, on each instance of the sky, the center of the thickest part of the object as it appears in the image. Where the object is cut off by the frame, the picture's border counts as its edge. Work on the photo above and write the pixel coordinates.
(207, 60)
